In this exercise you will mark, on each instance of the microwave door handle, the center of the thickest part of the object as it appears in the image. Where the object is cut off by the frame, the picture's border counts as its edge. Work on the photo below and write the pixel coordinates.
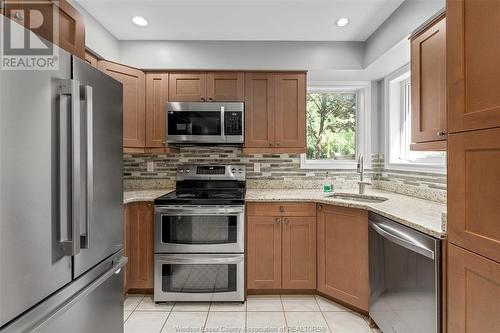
(222, 125)
(408, 244)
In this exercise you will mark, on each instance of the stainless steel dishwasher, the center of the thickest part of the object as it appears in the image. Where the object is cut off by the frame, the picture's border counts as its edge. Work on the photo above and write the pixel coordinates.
(405, 284)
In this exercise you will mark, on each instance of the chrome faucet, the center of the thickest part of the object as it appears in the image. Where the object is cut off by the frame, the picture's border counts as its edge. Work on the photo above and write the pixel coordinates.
(361, 170)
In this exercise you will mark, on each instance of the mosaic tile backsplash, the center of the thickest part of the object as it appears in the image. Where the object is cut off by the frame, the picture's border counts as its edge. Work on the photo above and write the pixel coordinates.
(277, 171)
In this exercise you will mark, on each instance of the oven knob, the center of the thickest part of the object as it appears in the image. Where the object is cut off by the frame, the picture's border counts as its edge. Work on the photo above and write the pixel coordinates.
(181, 171)
(188, 170)
(239, 170)
(233, 170)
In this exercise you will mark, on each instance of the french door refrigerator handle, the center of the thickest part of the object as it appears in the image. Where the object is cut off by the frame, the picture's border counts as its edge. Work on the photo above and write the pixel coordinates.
(406, 243)
(70, 198)
(87, 96)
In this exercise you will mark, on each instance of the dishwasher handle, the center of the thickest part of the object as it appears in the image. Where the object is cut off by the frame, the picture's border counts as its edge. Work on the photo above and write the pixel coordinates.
(402, 239)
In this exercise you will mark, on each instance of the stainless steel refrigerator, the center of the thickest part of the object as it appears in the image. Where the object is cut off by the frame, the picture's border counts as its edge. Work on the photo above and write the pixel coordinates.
(61, 199)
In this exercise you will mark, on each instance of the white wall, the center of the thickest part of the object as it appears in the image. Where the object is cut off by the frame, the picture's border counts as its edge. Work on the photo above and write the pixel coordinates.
(97, 38)
(409, 16)
(242, 55)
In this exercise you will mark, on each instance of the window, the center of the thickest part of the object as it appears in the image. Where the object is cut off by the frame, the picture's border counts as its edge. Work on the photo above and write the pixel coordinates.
(398, 133)
(334, 126)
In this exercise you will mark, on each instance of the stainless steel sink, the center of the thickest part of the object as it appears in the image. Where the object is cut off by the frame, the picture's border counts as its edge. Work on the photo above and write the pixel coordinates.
(357, 197)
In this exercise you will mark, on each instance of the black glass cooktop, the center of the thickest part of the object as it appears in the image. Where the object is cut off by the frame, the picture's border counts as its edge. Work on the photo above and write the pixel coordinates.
(203, 197)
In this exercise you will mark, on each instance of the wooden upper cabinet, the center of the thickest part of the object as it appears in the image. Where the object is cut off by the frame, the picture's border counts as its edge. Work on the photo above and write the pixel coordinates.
(473, 66)
(187, 87)
(39, 15)
(343, 254)
(299, 252)
(139, 245)
(156, 99)
(134, 91)
(474, 292)
(263, 252)
(474, 191)
(290, 114)
(226, 86)
(91, 59)
(259, 110)
(428, 86)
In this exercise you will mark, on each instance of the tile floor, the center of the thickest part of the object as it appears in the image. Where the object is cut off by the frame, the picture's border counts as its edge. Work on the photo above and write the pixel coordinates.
(260, 314)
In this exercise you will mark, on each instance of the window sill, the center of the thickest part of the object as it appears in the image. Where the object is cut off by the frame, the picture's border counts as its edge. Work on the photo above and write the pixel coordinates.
(329, 165)
(416, 167)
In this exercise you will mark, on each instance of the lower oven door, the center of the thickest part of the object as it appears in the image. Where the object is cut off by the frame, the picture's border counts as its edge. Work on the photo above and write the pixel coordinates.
(199, 229)
(199, 277)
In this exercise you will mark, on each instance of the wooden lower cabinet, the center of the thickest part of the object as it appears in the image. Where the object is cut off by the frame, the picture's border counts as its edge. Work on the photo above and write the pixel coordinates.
(263, 252)
(473, 292)
(343, 254)
(139, 246)
(281, 248)
(298, 255)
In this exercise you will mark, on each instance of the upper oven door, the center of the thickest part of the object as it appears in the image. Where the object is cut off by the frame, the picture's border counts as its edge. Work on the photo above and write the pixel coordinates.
(199, 229)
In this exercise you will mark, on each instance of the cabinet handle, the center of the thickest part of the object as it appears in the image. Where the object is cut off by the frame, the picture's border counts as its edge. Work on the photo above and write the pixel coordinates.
(270, 144)
(286, 221)
(441, 133)
(277, 143)
(282, 209)
(18, 16)
(210, 98)
(320, 206)
(202, 98)
(277, 221)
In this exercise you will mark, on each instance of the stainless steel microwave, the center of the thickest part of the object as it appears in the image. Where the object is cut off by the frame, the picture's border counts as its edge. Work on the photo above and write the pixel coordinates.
(205, 122)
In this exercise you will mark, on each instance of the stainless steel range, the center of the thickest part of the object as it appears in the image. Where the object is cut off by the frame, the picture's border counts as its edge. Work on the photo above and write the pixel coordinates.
(199, 236)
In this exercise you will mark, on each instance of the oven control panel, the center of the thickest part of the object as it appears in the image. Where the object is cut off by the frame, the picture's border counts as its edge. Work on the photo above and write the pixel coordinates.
(211, 172)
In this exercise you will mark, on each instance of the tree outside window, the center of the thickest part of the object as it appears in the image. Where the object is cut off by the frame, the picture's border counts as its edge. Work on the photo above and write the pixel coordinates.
(331, 126)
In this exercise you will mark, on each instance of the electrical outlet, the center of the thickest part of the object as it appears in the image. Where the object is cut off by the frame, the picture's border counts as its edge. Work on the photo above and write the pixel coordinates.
(256, 167)
(151, 166)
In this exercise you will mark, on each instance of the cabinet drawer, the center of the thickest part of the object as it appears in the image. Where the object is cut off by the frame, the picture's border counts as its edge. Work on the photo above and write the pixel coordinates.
(281, 209)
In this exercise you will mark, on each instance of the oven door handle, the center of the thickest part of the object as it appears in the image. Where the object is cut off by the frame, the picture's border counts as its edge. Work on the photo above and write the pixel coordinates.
(200, 211)
(187, 259)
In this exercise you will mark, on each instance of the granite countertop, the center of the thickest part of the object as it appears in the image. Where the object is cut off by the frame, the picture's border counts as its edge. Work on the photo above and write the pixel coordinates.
(143, 195)
(426, 216)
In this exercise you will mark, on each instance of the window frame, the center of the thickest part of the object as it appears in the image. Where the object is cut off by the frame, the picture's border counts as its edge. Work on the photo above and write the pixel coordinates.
(397, 133)
(363, 121)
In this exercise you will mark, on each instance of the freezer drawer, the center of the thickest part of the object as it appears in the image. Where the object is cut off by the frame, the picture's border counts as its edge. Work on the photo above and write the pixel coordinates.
(92, 303)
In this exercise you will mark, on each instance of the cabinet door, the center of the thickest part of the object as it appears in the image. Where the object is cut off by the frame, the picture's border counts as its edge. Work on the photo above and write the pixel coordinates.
(38, 16)
(187, 87)
(474, 191)
(263, 252)
(299, 253)
(259, 110)
(226, 86)
(473, 66)
(139, 246)
(343, 254)
(474, 292)
(91, 59)
(428, 84)
(290, 121)
(156, 99)
(134, 95)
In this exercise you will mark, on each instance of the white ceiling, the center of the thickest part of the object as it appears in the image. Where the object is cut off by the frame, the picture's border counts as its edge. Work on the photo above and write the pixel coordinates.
(276, 20)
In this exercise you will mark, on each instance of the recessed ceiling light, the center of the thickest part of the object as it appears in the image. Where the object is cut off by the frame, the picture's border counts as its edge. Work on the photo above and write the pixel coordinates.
(342, 22)
(140, 21)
